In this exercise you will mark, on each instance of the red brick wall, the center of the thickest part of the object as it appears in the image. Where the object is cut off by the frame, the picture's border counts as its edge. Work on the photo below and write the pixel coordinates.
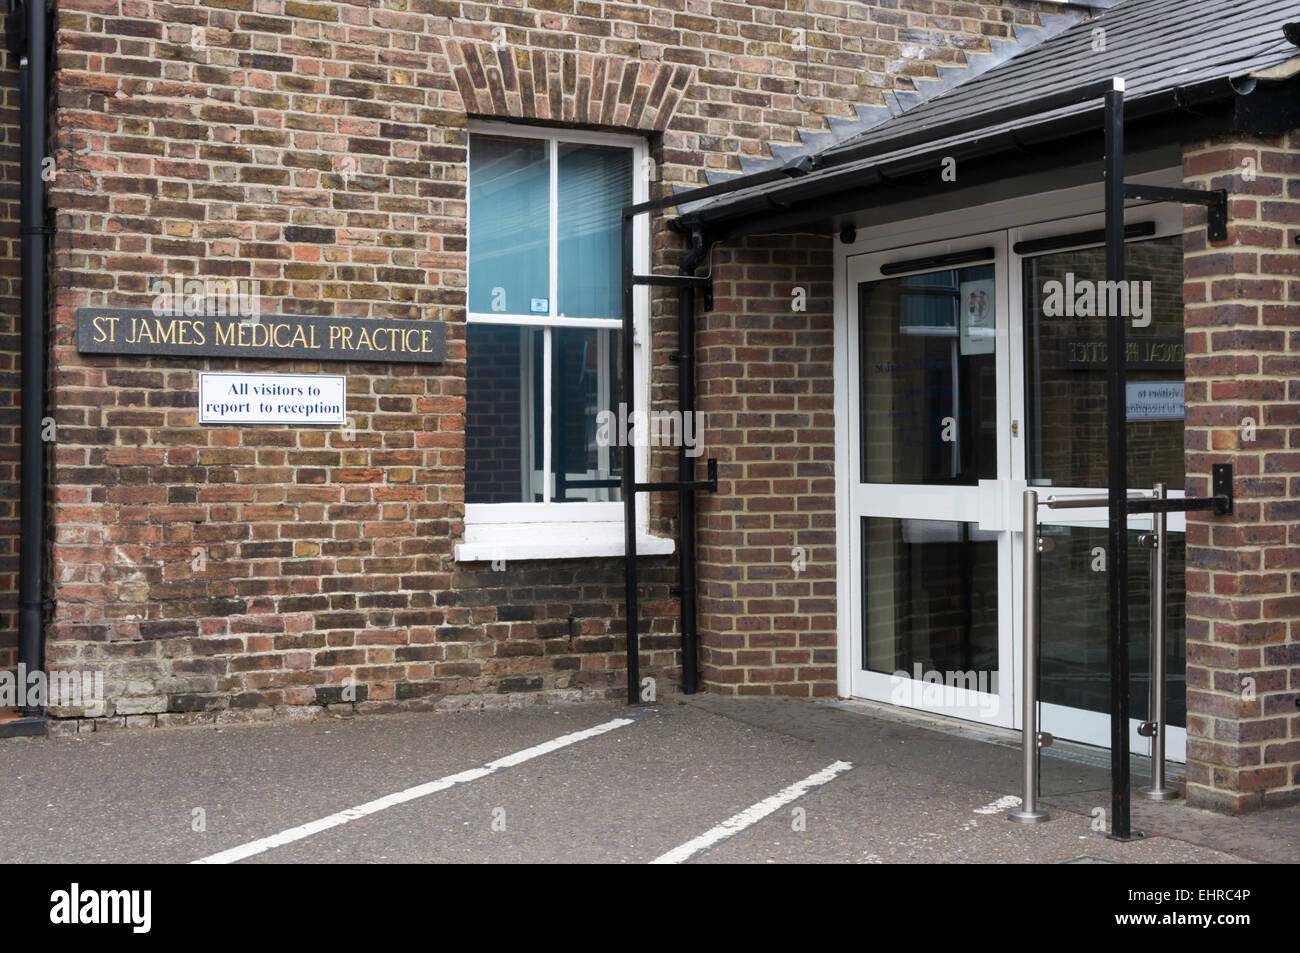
(1243, 571)
(766, 385)
(319, 148)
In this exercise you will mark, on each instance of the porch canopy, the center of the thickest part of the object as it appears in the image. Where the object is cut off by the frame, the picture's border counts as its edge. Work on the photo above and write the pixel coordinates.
(1192, 68)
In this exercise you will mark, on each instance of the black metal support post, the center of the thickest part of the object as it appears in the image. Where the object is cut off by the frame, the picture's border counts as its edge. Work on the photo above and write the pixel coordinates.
(686, 468)
(31, 603)
(1119, 505)
(1117, 472)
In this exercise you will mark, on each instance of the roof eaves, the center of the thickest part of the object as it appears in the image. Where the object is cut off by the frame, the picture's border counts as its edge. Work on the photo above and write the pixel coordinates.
(889, 164)
(1275, 61)
(899, 102)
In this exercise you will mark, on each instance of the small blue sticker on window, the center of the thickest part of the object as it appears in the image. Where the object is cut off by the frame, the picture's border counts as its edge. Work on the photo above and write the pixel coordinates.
(540, 306)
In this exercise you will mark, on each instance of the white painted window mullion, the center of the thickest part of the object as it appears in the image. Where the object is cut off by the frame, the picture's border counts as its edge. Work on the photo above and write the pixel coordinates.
(553, 286)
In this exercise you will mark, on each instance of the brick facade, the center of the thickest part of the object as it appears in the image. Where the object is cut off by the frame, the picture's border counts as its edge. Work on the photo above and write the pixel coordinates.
(317, 152)
(767, 538)
(319, 149)
(1242, 301)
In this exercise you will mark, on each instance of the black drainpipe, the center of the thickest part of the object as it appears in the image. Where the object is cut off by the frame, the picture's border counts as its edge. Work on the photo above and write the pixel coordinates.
(686, 464)
(33, 80)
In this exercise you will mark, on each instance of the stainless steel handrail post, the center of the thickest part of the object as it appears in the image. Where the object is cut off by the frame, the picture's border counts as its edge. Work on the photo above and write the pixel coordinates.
(1156, 727)
(1029, 812)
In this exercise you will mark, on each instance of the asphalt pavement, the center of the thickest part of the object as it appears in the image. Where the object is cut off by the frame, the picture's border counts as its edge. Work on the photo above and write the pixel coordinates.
(706, 779)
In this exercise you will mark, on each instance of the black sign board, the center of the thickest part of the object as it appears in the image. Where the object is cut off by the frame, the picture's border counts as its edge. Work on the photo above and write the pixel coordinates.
(274, 336)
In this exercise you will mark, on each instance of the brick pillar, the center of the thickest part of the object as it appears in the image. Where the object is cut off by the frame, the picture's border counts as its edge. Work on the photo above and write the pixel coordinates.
(1242, 301)
(767, 537)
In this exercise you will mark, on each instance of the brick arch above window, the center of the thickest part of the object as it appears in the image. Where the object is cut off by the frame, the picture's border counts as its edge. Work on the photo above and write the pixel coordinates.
(566, 86)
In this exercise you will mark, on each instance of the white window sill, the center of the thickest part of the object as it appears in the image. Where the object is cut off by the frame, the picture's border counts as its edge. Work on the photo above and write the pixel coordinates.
(488, 542)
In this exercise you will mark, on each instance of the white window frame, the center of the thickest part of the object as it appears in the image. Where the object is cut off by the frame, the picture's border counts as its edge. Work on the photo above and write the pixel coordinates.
(548, 530)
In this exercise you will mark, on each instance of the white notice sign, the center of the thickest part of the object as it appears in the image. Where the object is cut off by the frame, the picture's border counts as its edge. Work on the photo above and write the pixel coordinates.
(1153, 400)
(296, 399)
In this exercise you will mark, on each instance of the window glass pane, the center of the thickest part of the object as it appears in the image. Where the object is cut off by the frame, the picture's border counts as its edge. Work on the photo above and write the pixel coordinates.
(1065, 362)
(509, 226)
(585, 381)
(502, 414)
(930, 598)
(928, 401)
(595, 182)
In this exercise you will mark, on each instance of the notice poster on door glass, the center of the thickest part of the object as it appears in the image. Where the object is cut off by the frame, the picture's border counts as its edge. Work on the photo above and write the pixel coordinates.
(1153, 400)
(978, 317)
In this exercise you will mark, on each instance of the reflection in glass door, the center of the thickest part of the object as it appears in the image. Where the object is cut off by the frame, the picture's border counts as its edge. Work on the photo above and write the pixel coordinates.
(1065, 449)
(928, 426)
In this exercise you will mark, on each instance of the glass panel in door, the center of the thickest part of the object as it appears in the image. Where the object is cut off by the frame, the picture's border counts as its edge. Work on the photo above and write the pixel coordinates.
(929, 633)
(1065, 396)
(1065, 369)
(929, 376)
(930, 600)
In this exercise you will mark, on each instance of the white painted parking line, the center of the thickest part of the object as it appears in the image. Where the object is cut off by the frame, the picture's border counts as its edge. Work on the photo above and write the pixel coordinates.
(304, 831)
(752, 815)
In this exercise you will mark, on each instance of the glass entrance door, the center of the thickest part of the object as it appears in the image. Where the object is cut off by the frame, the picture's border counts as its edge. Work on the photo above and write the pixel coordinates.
(1064, 453)
(968, 379)
(928, 334)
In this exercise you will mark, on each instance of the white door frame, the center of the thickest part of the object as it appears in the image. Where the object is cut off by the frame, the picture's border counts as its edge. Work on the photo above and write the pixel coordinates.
(999, 224)
(942, 503)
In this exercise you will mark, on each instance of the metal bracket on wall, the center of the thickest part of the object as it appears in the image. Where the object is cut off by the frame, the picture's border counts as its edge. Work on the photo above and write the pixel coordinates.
(1214, 200)
(702, 283)
(1218, 502)
(709, 485)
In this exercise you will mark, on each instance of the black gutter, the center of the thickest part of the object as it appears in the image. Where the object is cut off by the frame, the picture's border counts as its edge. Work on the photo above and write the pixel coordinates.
(936, 132)
(34, 78)
(873, 196)
(833, 181)
(806, 164)
(797, 168)
(686, 464)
